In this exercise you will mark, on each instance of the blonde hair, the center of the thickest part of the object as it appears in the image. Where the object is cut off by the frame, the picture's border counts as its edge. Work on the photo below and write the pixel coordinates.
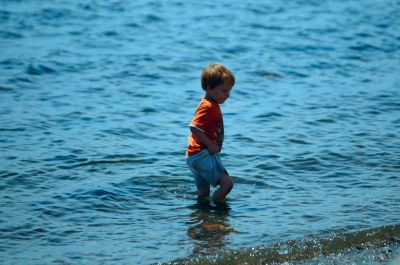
(214, 75)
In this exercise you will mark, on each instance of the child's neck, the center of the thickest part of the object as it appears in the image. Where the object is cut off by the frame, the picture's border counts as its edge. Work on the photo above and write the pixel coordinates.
(210, 98)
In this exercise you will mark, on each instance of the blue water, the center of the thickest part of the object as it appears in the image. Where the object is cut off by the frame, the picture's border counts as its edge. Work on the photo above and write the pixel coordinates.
(96, 97)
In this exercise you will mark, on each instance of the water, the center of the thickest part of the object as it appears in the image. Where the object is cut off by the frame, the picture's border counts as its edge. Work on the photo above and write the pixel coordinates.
(95, 102)
(372, 246)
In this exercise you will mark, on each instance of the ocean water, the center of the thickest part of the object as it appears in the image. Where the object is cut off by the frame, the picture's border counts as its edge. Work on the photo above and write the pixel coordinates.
(95, 102)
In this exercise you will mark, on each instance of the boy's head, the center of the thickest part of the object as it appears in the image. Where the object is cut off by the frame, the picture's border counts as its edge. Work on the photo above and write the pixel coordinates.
(216, 74)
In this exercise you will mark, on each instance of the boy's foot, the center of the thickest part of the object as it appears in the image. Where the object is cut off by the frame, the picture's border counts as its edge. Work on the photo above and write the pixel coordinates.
(203, 199)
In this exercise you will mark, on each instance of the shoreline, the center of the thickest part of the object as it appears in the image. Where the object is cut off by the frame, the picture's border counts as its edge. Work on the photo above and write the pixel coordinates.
(319, 248)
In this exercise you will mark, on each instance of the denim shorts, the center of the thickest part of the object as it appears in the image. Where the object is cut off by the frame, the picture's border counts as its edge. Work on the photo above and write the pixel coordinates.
(207, 169)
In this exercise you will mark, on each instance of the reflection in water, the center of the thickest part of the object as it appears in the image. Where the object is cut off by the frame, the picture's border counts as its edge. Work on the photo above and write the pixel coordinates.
(209, 226)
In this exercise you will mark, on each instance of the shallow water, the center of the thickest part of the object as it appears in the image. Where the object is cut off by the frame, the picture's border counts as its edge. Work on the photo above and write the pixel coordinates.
(373, 246)
(95, 102)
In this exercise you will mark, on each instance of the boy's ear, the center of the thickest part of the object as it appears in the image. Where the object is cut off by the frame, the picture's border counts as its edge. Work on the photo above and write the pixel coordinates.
(208, 87)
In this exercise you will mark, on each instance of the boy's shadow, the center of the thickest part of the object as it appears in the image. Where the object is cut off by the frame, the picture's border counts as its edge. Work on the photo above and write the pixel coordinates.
(209, 226)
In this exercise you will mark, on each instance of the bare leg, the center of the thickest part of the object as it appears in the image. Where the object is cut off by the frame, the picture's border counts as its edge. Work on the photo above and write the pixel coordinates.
(226, 186)
(203, 193)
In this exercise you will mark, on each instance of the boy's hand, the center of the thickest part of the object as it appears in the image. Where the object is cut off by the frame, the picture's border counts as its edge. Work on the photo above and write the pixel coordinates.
(213, 148)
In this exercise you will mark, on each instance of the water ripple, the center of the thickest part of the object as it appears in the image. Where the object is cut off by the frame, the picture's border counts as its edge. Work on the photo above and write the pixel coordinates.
(95, 102)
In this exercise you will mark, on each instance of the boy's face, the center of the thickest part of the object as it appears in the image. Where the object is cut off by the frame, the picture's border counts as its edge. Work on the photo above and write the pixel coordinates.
(219, 93)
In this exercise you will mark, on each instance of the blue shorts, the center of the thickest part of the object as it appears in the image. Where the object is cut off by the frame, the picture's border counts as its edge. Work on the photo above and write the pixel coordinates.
(207, 169)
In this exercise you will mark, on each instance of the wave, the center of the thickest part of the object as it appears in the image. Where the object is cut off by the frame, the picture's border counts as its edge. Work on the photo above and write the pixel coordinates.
(302, 250)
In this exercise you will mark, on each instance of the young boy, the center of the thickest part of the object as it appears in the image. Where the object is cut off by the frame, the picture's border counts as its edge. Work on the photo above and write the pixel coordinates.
(207, 134)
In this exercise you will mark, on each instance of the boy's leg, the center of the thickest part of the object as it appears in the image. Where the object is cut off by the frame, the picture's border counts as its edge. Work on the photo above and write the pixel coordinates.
(203, 188)
(203, 193)
(226, 185)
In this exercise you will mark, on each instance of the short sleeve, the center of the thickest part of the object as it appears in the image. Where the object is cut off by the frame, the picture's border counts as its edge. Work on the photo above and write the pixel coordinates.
(201, 119)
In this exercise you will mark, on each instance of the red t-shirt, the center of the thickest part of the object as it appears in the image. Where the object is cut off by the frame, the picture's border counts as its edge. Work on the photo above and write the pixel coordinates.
(208, 119)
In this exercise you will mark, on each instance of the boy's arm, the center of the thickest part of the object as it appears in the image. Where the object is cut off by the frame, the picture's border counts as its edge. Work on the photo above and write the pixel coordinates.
(211, 147)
